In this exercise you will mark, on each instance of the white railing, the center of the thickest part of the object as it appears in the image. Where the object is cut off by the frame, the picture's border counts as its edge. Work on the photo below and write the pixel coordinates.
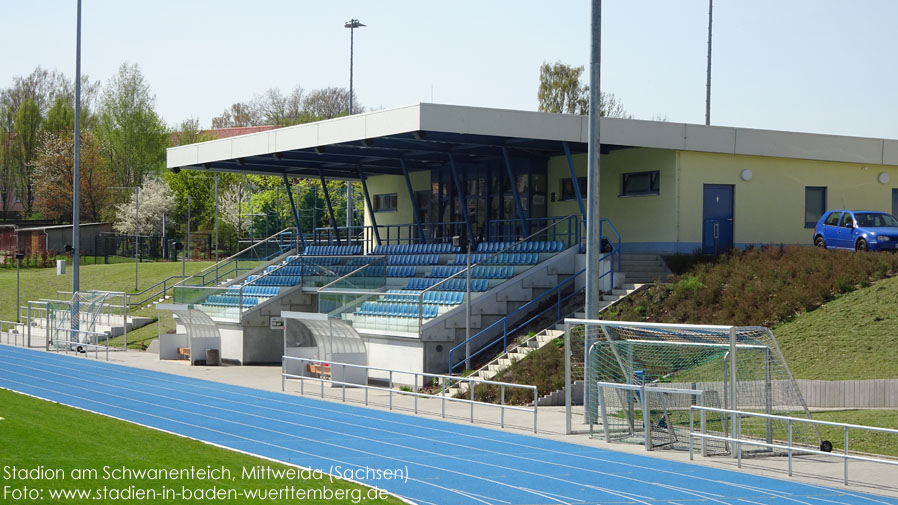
(420, 378)
(643, 400)
(12, 331)
(69, 340)
(788, 446)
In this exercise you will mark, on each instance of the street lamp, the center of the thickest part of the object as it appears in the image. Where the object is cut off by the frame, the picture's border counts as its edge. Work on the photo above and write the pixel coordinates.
(19, 257)
(136, 221)
(352, 24)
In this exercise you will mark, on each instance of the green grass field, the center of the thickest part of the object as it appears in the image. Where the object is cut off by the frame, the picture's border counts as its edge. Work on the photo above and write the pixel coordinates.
(36, 433)
(36, 283)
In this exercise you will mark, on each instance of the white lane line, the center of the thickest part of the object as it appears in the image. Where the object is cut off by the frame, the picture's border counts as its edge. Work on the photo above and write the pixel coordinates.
(342, 434)
(182, 381)
(280, 433)
(204, 428)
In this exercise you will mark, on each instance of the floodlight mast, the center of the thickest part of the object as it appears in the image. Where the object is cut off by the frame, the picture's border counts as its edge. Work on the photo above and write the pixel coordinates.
(76, 183)
(352, 24)
(593, 223)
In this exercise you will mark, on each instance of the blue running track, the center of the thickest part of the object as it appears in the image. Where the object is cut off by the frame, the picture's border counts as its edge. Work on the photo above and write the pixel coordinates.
(446, 463)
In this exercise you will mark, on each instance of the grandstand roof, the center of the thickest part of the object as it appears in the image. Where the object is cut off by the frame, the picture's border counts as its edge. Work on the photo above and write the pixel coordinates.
(423, 135)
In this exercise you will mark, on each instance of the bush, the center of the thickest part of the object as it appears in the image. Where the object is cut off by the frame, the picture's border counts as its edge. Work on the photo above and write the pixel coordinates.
(757, 286)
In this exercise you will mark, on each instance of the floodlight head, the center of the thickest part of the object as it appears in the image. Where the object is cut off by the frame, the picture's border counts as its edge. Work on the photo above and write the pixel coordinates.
(179, 246)
(20, 255)
(353, 23)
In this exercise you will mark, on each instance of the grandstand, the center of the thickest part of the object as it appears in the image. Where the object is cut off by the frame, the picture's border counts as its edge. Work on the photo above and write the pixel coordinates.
(406, 302)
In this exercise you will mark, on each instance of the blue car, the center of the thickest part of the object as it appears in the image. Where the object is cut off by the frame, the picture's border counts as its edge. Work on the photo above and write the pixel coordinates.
(858, 230)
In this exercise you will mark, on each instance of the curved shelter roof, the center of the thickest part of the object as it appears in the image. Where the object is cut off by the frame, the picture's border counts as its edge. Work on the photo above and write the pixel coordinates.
(331, 336)
(423, 136)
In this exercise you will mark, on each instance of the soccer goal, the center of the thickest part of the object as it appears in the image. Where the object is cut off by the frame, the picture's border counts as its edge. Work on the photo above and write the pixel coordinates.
(641, 379)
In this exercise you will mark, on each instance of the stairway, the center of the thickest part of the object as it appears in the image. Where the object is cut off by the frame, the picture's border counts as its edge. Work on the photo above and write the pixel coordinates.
(644, 268)
(537, 341)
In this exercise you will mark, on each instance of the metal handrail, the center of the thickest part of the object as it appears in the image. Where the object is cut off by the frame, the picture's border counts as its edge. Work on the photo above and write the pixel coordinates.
(13, 328)
(738, 440)
(235, 257)
(445, 383)
(504, 321)
(165, 288)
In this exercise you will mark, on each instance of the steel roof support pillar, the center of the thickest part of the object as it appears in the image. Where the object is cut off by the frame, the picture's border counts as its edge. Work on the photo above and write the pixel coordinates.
(514, 191)
(368, 204)
(462, 200)
(330, 208)
(302, 239)
(570, 164)
(415, 209)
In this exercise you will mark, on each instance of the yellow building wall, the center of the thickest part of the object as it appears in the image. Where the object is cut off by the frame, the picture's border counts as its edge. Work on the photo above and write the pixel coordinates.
(650, 218)
(770, 207)
(404, 214)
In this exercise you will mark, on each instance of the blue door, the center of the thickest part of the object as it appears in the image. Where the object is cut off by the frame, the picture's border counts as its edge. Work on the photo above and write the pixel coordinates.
(717, 218)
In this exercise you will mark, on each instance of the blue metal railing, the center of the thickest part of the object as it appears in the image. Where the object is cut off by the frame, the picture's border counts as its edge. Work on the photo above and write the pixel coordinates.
(504, 322)
(613, 255)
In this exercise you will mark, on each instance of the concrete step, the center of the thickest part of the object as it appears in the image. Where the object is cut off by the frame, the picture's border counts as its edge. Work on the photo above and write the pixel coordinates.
(635, 264)
(642, 268)
(637, 256)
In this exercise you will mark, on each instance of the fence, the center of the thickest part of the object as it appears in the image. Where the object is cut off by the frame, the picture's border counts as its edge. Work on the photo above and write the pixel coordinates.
(739, 441)
(419, 378)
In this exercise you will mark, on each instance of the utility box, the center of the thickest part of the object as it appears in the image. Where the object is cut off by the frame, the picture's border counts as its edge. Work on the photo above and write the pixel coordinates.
(60, 267)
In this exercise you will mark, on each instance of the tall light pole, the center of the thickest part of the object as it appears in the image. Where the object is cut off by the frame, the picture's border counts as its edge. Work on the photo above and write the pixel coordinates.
(76, 183)
(352, 24)
(708, 86)
(593, 225)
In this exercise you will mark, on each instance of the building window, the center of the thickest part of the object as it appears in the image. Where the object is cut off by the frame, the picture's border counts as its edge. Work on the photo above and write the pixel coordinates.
(567, 188)
(814, 205)
(385, 203)
(640, 183)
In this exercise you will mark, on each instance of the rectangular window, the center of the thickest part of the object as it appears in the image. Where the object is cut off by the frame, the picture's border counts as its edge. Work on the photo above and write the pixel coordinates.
(640, 183)
(385, 203)
(567, 188)
(814, 205)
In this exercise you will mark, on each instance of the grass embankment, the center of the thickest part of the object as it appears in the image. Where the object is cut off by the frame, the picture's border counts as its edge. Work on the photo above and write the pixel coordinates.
(831, 311)
(44, 283)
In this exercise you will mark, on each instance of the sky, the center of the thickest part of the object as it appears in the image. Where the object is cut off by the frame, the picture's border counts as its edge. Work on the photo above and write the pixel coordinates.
(821, 66)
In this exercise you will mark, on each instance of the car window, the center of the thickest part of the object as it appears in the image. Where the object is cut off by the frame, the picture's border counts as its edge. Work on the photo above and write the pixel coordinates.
(875, 219)
(846, 220)
(833, 219)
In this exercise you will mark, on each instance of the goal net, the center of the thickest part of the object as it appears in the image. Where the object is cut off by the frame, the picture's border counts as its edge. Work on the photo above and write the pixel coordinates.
(641, 379)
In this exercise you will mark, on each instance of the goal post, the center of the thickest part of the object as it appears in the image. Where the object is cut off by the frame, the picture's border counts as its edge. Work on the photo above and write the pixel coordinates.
(615, 365)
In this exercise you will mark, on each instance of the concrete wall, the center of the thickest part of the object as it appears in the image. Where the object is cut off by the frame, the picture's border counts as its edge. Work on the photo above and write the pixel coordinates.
(770, 207)
(643, 221)
(404, 213)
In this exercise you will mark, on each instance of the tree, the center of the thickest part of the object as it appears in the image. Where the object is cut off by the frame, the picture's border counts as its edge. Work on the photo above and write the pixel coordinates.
(233, 203)
(188, 132)
(7, 171)
(27, 128)
(238, 115)
(560, 91)
(41, 87)
(54, 178)
(327, 103)
(132, 135)
(156, 199)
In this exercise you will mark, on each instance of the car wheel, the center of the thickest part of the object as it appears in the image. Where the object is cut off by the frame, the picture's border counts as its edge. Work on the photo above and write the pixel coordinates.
(819, 242)
(861, 245)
